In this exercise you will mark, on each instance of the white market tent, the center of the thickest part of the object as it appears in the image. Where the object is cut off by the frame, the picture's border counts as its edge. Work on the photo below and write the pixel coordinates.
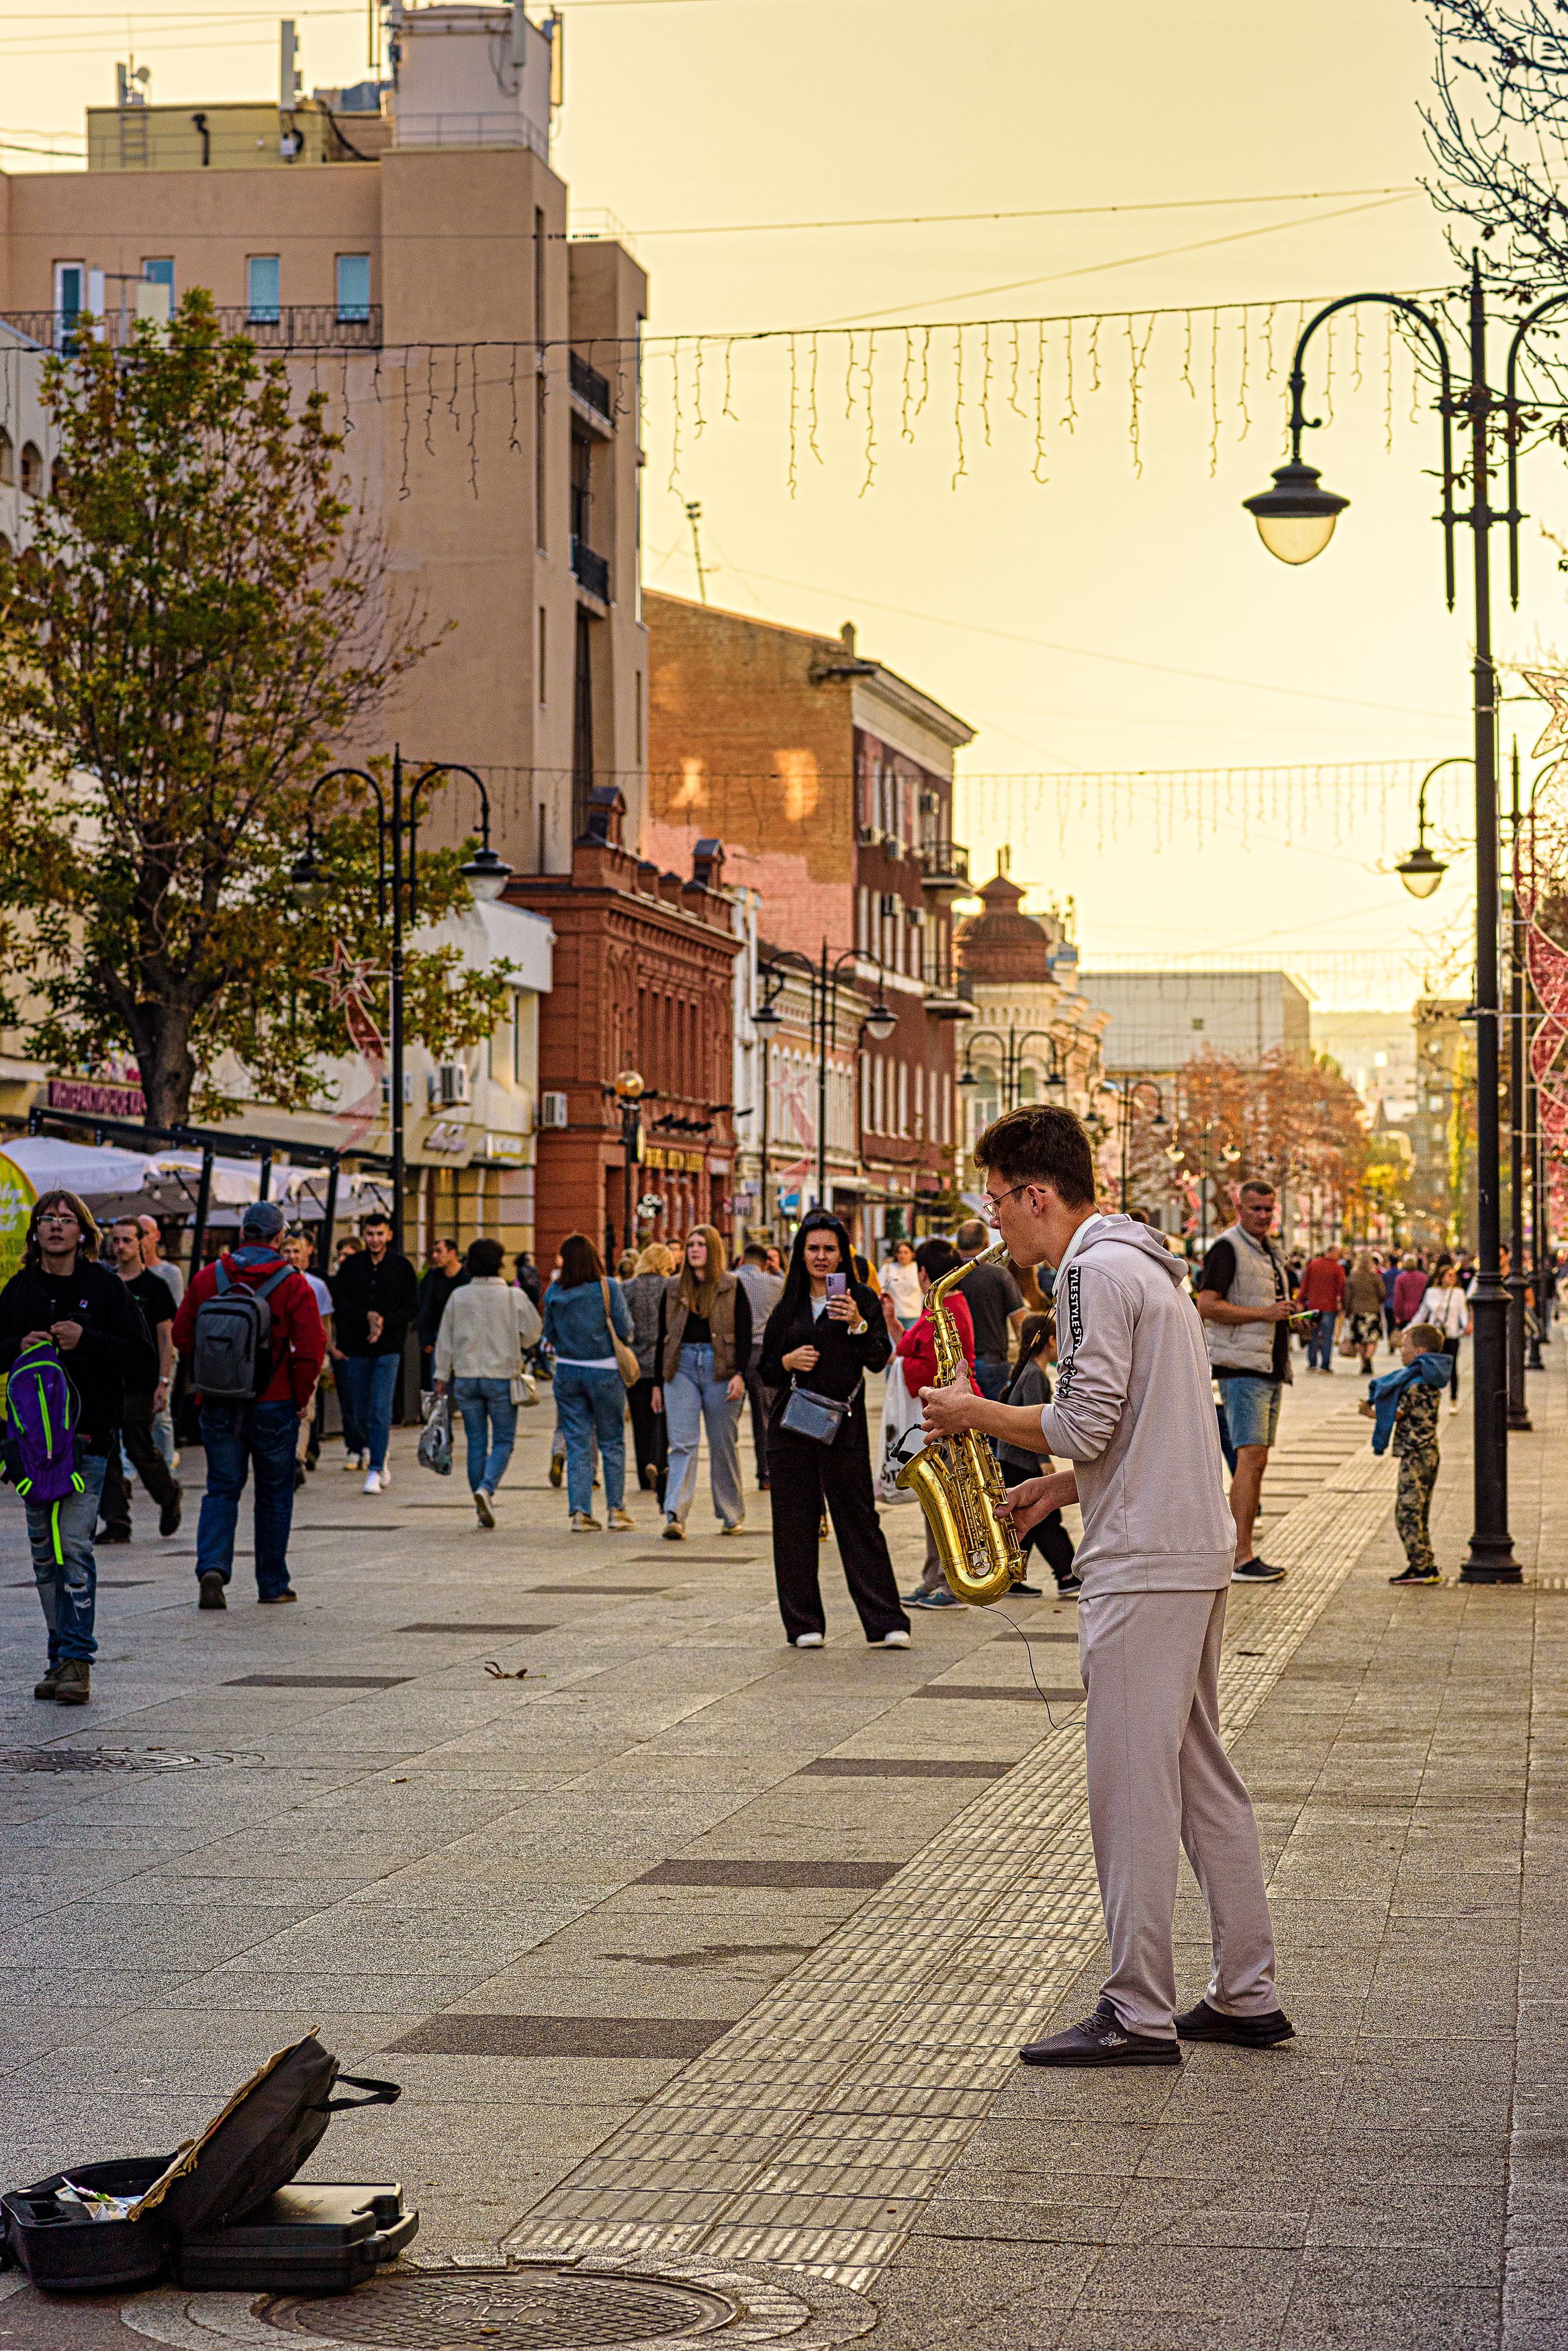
(94, 1172)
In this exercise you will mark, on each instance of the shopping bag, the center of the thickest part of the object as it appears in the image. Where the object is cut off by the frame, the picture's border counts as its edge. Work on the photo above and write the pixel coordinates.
(900, 1419)
(435, 1438)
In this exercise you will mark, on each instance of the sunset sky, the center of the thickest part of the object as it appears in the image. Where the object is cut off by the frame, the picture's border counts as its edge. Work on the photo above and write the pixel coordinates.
(1099, 620)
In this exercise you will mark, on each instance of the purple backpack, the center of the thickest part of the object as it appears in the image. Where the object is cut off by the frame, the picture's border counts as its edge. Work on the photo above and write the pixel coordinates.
(42, 1448)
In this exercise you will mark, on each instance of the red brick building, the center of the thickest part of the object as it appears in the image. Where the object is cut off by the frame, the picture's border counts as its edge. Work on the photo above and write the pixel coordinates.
(643, 980)
(829, 779)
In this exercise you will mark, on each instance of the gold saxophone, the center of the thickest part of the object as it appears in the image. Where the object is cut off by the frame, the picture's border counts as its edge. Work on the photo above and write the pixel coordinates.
(957, 1481)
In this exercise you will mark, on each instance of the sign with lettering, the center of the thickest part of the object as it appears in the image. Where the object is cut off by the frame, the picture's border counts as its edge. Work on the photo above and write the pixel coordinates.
(97, 1098)
(674, 1163)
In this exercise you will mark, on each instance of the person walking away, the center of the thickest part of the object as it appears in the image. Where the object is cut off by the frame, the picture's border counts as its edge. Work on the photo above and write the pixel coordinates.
(704, 1347)
(1363, 1307)
(307, 1446)
(1031, 1385)
(258, 1433)
(1447, 1308)
(1410, 1288)
(826, 1342)
(153, 1259)
(916, 1352)
(443, 1274)
(1403, 1407)
(1244, 1302)
(1320, 1295)
(64, 1311)
(996, 1305)
(644, 1295)
(901, 1285)
(487, 1329)
(583, 1308)
(141, 1404)
(1390, 1272)
(764, 1289)
(527, 1275)
(375, 1299)
(1134, 1416)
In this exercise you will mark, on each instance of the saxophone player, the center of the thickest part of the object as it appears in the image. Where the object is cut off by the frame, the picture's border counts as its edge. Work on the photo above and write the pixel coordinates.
(1133, 1414)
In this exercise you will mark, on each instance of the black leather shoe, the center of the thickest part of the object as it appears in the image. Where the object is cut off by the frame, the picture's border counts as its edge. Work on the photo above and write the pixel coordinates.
(168, 1516)
(1100, 2040)
(210, 1592)
(1206, 2023)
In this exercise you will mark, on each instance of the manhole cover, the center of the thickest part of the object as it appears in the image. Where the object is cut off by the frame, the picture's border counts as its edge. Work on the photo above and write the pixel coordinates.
(109, 1758)
(528, 2310)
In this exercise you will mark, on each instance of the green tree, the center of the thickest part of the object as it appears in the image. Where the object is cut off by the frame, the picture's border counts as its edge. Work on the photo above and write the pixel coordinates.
(199, 625)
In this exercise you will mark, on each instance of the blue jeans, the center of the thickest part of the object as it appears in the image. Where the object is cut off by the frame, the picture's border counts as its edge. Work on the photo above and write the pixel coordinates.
(490, 1424)
(1320, 1343)
(692, 1397)
(236, 1435)
(1251, 1407)
(67, 1586)
(990, 1377)
(586, 1401)
(366, 1383)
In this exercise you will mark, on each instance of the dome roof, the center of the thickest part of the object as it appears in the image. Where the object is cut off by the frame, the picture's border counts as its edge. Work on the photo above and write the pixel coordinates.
(1003, 946)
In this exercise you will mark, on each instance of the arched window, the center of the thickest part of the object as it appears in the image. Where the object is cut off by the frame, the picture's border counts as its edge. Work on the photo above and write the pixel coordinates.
(32, 470)
(59, 481)
(7, 458)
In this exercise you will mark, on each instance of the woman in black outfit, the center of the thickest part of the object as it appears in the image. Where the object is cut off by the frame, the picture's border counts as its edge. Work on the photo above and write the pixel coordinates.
(828, 1345)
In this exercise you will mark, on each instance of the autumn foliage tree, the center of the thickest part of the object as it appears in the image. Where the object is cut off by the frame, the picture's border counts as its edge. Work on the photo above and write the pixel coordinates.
(199, 625)
(1290, 1117)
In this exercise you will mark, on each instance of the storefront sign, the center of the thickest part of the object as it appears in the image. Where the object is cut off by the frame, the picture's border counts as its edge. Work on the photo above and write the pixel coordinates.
(97, 1098)
(674, 1163)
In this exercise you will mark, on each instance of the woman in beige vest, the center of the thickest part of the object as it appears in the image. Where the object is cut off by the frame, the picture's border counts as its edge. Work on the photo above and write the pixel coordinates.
(705, 1347)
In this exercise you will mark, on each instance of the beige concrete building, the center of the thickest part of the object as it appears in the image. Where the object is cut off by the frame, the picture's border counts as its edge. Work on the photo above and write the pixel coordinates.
(404, 248)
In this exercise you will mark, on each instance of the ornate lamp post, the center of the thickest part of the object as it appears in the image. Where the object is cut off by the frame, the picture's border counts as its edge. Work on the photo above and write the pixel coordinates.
(1295, 521)
(396, 872)
(823, 978)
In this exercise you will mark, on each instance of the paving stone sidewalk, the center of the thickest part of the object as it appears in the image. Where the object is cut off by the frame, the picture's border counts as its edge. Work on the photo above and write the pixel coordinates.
(555, 1906)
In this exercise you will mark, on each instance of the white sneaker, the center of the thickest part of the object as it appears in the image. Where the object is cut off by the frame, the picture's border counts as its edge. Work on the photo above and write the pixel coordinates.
(891, 1641)
(482, 1505)
(355, 1462)
(806, 1641)
(372, 1483)
(386, 1477)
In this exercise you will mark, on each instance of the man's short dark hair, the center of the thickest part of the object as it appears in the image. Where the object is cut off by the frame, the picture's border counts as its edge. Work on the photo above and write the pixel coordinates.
(1041, 1144)
(446, 1242)
(486, 1258)
(937, 1256)
(754, 1253)
(972, 1234)
(376, 1217)
(1261, 1185)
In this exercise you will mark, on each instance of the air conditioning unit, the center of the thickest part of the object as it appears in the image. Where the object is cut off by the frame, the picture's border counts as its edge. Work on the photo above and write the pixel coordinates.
(868, 835)
(916, 916)
(930, 803)
(892, 846)
(449, 1083)
(552, 1110)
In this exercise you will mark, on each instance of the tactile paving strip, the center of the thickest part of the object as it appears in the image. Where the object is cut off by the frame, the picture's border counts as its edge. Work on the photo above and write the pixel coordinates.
(810, 2133)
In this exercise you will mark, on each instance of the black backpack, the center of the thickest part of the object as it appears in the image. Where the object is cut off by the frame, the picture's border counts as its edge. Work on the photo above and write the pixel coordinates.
(231, 1359)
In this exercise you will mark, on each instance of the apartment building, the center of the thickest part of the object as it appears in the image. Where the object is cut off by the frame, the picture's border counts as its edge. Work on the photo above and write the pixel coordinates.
(404, 249)
(830, 780)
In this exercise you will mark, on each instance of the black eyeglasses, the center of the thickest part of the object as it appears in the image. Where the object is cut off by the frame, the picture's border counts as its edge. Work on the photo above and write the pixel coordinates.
(994, 1200)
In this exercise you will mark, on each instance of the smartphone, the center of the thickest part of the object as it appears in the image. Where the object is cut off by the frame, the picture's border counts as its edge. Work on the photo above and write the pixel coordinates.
(837, 1284)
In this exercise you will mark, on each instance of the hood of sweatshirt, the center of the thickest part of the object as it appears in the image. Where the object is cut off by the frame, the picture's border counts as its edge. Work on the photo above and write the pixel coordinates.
(1126, 1232)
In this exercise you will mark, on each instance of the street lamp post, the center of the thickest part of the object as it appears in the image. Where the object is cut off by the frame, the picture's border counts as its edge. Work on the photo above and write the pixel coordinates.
(396, 870)
(1295, 521)
(1128, 1089)
(823, 978)
(1011, 1046)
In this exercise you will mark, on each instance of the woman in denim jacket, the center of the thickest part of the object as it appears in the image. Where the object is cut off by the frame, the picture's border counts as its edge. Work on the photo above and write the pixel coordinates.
(589, 1394)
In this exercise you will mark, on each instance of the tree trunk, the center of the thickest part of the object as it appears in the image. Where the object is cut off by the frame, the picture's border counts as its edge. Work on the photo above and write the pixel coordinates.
(167, 1068)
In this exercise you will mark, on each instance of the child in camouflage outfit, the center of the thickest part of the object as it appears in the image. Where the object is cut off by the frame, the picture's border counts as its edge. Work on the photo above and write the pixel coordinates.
(1403, 1406)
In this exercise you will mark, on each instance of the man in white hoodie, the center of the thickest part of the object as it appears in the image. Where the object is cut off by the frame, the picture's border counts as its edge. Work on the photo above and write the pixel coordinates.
(1133, 1412)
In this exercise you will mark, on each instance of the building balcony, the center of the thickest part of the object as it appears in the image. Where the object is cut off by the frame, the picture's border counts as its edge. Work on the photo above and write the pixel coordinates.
(591, 392)
(944, 867)
(949, 992)
(590, 571)
(291, 326)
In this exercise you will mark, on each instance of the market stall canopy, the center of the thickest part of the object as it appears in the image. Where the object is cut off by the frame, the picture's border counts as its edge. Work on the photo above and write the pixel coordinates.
(94, 1172)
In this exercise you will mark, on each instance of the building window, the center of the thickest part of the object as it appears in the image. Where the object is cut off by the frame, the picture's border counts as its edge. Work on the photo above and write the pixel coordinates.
(543, 644)
(539, 277)
(262, 288)
(353, 285)
(7, 458)
(637, 718)
(903, 1097)
(159, 272)
(70, 300)
(540, 536)
(583, 725)
(32, 470)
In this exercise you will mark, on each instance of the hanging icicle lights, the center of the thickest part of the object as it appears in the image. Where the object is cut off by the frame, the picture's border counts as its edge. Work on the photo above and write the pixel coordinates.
(901, 381)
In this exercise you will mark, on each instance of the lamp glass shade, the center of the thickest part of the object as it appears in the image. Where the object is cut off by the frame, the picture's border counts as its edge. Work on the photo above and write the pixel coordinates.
(304, 876)
(1055, 1080)
(765, 1017)
(1420, 871)
(486, 874)
(969, 1078)
(880, 1022)
(1295, 519)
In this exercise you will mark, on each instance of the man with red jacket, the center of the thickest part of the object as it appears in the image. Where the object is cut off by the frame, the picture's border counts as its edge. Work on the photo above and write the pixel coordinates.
(263, 1430)
(1321, 1294)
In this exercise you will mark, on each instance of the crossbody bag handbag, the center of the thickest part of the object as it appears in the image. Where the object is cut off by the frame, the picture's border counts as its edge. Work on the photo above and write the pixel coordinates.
(819, 1417)
(630, 1369)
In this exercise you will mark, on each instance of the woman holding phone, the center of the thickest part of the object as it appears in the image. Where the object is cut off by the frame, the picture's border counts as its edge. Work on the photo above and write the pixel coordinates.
(825, 1333)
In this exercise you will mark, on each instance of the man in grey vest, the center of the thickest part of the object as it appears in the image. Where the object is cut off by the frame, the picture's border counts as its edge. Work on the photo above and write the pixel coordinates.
(1245, 1302)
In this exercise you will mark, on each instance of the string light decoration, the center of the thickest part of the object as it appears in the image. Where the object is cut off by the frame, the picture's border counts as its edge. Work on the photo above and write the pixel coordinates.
(1540, 887)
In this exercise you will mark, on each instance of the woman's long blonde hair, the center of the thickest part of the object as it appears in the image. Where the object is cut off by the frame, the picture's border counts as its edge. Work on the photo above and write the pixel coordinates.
(656, 1259)
(698, 1297)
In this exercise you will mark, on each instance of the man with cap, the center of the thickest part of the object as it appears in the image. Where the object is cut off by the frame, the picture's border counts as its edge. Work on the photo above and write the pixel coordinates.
(262, 1431)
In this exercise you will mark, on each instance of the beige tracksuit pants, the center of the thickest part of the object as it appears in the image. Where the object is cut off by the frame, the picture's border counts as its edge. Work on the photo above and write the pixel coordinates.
(1159, 1779)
